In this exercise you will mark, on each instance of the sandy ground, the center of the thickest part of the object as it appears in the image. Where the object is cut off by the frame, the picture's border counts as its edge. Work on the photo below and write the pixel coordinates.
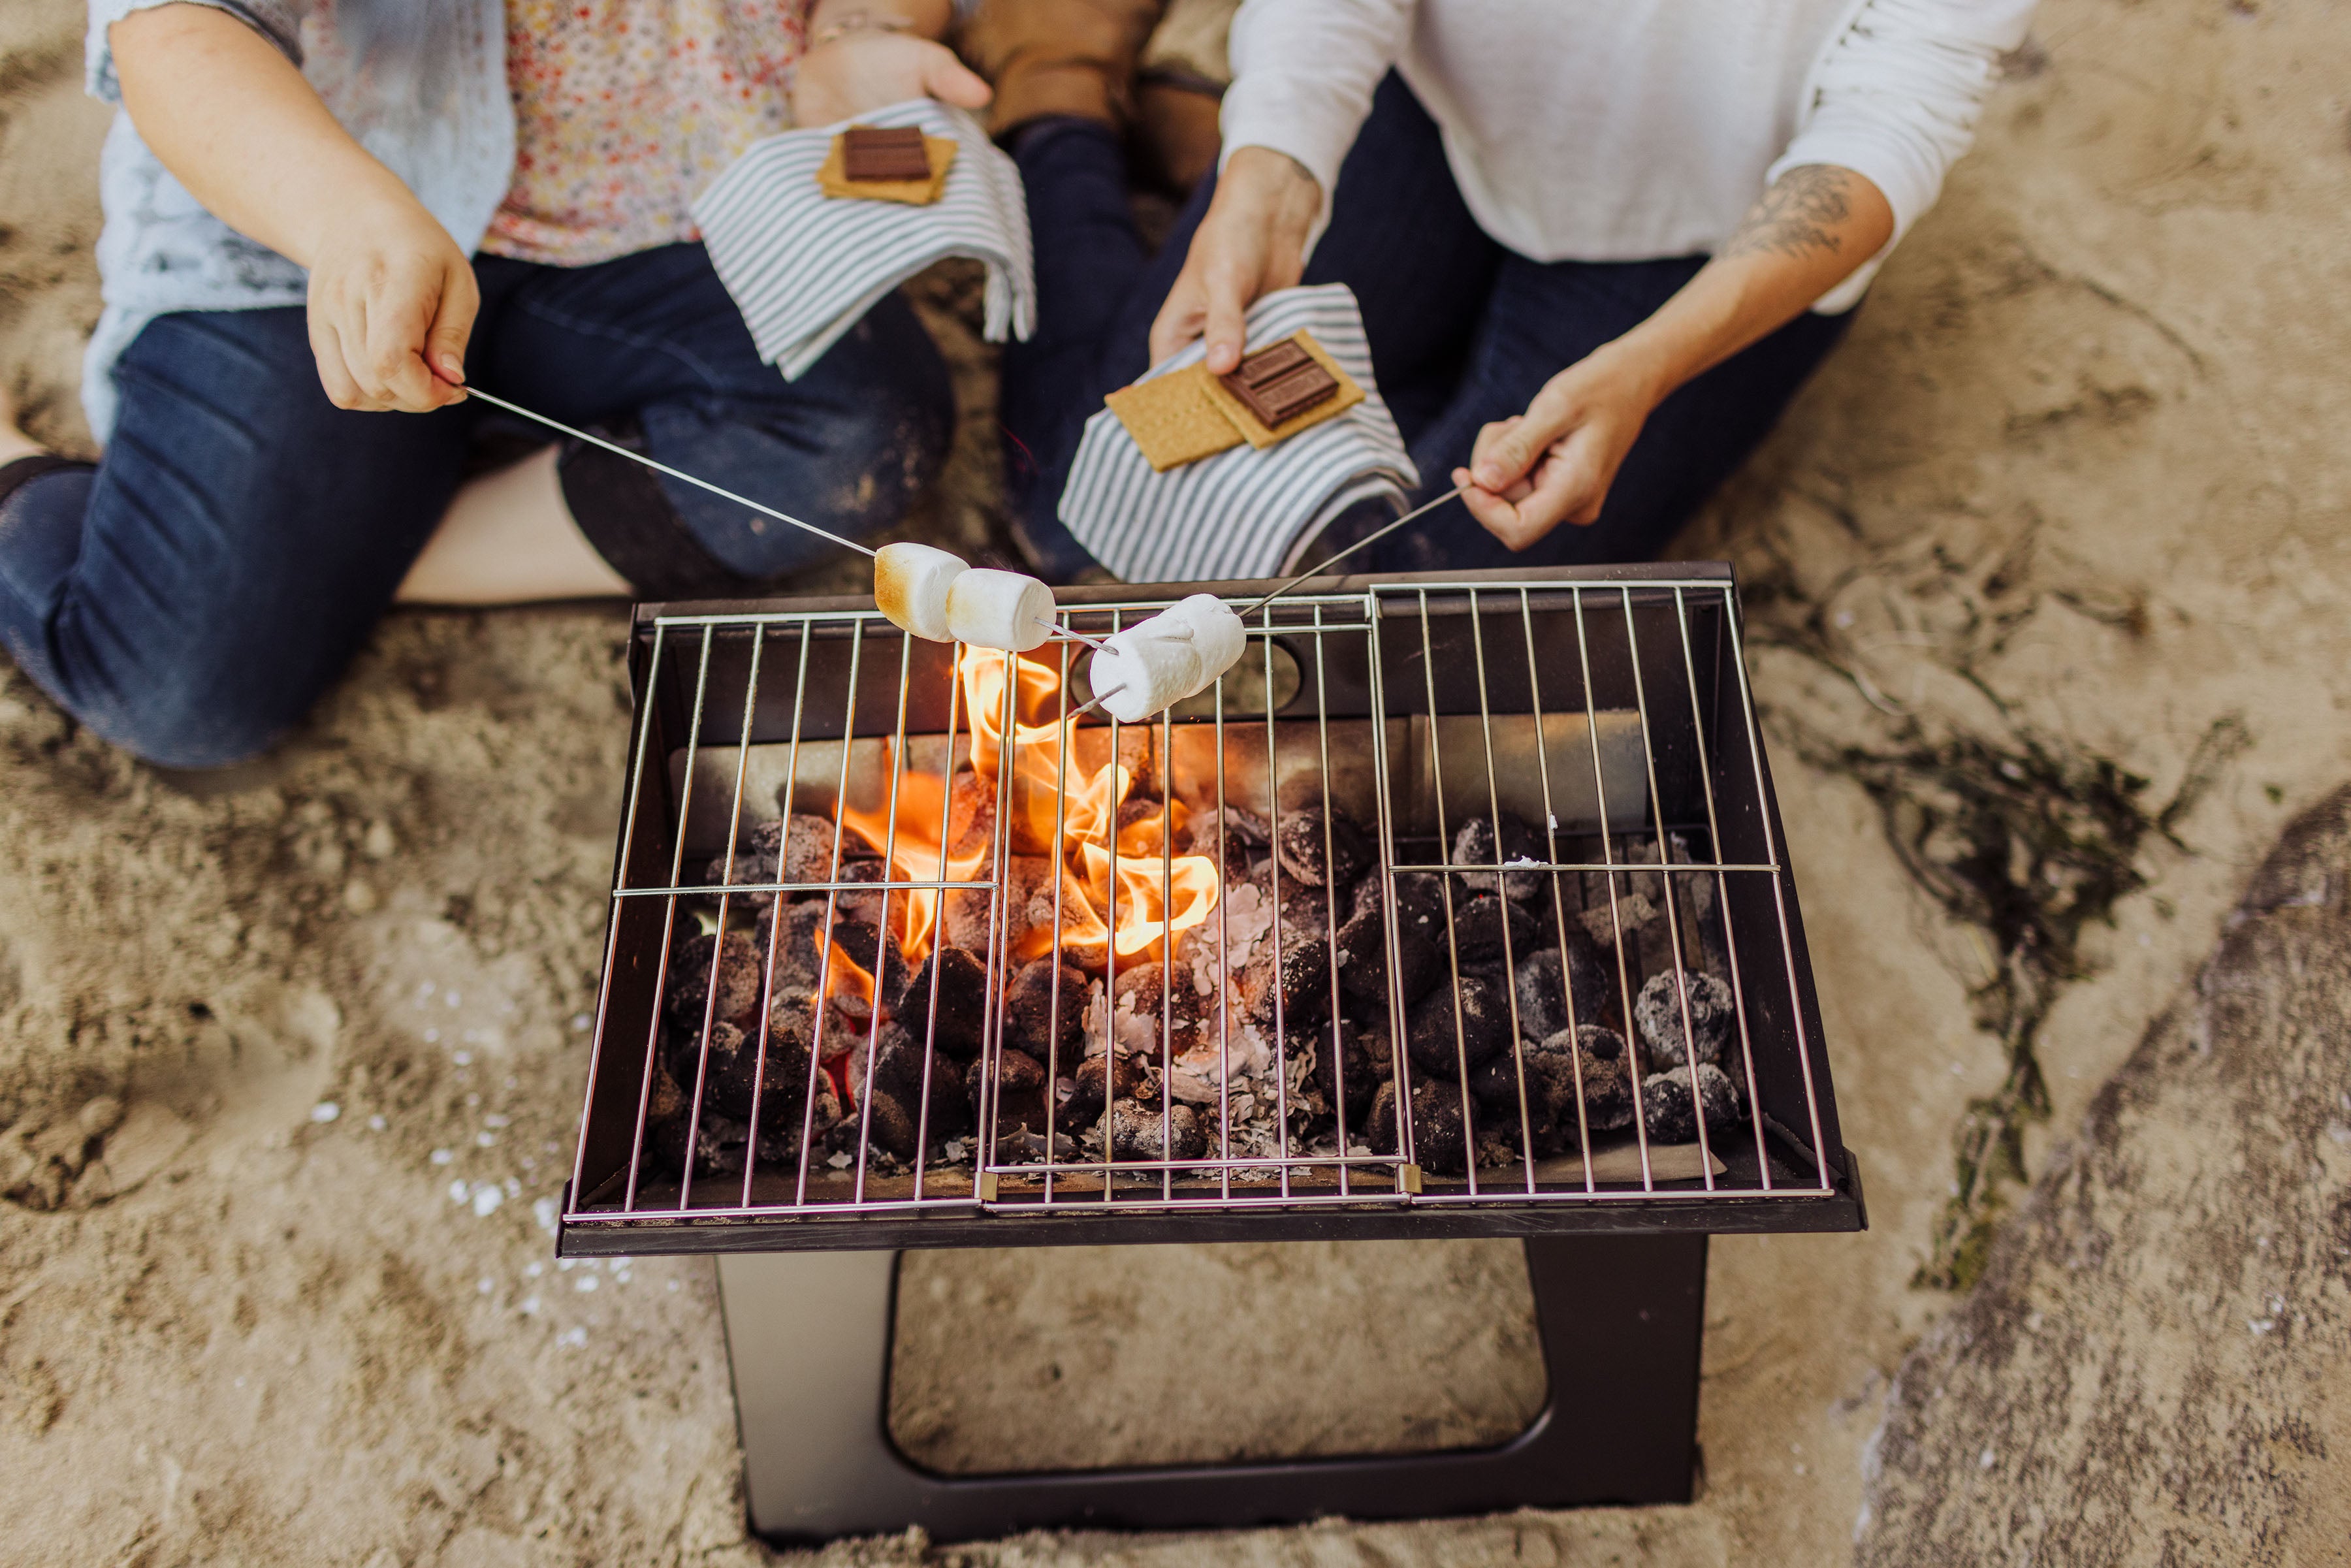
(289, 1057)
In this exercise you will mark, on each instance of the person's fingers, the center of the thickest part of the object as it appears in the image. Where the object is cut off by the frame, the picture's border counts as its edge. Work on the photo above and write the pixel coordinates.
(334, 376)
(1225, 322)
(1179, 318)
(949, 81)
(452, 327)
(399, 312)
(1507, 449)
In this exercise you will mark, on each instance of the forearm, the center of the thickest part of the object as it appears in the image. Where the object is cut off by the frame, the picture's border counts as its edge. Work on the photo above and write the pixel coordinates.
(1804, 236)
(235, 123)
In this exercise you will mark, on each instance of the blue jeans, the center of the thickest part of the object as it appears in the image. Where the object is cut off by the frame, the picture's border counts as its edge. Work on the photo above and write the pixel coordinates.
(1463, 331)
(192, 597)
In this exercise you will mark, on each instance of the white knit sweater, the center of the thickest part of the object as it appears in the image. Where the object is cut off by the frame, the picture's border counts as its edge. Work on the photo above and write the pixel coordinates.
(1624, 129)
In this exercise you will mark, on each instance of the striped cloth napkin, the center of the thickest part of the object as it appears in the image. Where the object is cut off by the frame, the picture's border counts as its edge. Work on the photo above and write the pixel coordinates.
(804, 267)
(1245, 512)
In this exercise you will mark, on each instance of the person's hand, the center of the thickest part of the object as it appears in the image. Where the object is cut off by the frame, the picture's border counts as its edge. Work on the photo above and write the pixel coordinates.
(1553, 463)
(392, 300)
(1250, 242)
(867, 69)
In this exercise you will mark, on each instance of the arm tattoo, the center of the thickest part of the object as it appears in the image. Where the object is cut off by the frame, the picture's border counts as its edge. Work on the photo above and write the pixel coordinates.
(1799, 215)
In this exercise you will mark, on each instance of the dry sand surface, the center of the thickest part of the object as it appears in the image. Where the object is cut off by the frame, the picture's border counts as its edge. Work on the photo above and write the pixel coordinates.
(289, 1056)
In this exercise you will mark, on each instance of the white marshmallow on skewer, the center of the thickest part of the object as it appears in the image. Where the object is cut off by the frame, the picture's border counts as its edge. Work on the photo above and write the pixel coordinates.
(911, 584)
(1003, 610)
(1157, 662)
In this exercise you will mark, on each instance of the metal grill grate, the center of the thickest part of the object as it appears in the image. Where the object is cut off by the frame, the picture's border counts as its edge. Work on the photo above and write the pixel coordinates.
(1274, 1090)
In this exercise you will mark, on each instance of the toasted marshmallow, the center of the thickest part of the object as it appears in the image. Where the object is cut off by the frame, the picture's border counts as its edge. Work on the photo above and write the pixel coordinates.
(1156, 664)
(999, 609)
(911, 584)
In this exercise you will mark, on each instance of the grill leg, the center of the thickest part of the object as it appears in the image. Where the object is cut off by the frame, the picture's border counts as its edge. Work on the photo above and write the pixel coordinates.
(808, 1337)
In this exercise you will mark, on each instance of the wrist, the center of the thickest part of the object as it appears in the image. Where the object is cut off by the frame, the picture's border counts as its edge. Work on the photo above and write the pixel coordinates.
(832, 21)
(1642, 363)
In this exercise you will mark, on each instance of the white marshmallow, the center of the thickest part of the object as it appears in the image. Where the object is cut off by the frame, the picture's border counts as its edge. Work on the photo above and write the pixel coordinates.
(1217, 633)
(1157, 662)
(910, 586)
(999, 609)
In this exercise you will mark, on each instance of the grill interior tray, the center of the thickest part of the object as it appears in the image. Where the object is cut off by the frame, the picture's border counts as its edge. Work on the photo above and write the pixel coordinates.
(1607, 705)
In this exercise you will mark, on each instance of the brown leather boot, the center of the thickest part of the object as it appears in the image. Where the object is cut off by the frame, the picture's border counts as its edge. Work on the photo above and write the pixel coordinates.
(1057, 56)
(1179, 85)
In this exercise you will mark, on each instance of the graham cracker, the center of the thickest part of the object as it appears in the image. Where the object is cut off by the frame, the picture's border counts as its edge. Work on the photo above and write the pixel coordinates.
(831, 179)
(1260, 435)
(1173, 418)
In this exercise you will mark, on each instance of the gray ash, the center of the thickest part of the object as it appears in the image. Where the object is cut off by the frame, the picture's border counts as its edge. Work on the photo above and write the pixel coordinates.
(1135, 1132)
(1659, 1016)
(1665, 1107)
(1033, 1021)
(1317, 849)
(958, 982)
(1441, 1039)
(1476, 843)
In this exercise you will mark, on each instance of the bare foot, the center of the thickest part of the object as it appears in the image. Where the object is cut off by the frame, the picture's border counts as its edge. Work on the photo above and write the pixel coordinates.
(13, 442)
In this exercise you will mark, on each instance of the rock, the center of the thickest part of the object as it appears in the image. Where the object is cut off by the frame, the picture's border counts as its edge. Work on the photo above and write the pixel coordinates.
(2153, 1365)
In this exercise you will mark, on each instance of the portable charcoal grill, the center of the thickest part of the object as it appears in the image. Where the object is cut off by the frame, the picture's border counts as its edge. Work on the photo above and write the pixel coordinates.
(862, 992)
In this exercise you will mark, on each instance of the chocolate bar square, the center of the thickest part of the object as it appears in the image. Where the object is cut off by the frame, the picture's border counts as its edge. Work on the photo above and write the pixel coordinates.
(1281, 382)
(874, 153)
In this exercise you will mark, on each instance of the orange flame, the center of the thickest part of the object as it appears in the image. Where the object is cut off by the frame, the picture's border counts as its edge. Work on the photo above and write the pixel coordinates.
(1043, 756)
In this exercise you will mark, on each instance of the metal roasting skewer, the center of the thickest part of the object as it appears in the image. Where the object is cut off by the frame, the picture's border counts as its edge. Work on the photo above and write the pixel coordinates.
(497, 401)
(1314, 571)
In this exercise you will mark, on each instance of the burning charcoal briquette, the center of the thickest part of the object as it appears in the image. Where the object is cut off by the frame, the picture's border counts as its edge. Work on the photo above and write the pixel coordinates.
(1660, 1019)
(1321, 849)
(899, 1062)
(738, 964)
(1135, 1132)
(1020, 1091)
(1607, 1073)
(1666, 1104)
(1480, 923)
(1441, 1040)
(1476, 843)
(1084, 1105)
(1030, 1019)
(1344, 1060)
(730, 1073)
(754, 860)
(1437, 1142)
(1300, 981)
(866, 906)
(958, 1023)
(1543, 994)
